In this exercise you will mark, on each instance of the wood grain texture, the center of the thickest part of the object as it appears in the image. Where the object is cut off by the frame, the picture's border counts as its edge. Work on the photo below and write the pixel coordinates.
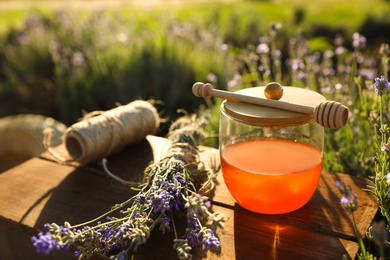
(41, 190)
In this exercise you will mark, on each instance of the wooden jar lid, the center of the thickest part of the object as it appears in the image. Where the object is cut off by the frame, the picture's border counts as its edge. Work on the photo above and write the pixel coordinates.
(267, 116)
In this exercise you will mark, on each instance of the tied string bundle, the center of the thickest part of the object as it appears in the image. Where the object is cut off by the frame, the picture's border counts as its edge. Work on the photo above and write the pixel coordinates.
(100, 134)
(184, 136)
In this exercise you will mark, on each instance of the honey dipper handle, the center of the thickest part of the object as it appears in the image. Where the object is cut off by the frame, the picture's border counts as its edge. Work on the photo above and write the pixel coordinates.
(207, 91)
(329, 114)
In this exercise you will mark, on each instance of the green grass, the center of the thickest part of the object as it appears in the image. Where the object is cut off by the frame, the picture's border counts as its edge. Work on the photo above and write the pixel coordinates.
(244, 14)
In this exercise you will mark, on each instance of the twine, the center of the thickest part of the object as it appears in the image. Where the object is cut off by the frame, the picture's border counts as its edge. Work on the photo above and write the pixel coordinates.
(97, 136)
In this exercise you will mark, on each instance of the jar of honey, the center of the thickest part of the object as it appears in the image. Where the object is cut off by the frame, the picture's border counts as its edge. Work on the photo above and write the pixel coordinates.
(271, 158)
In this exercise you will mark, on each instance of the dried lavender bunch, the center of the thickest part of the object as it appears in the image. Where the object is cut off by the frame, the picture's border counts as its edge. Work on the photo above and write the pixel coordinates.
(175, 186)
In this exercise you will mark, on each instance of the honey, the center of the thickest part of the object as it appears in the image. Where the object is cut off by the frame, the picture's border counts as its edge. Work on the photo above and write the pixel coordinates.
(271, 176)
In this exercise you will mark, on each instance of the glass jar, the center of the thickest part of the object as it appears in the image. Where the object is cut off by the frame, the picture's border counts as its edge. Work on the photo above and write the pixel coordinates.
(271, 159)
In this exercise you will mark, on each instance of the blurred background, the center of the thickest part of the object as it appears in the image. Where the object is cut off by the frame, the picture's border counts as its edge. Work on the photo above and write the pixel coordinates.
(60, 60)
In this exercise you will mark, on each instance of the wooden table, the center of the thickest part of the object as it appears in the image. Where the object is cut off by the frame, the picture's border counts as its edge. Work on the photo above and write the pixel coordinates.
(41, 191)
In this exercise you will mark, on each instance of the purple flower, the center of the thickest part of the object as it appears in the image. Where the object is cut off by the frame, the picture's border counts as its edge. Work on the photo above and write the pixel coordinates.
(164, 226)
(192, 232)
(212, 78)
(159, 180)
(141, 199)
(121, 256)
(236, 81)
(328, 54)
(339, 51)
(262, 48)
(44, 243)
(297, 64)
(388, 177)
(160, 201)
(193, 237)
(359, 41)
(224, 47)
(105, 235)
(179, 167)
(179, 178)
(345, 201)
(78, 59)
(210, 241)
(381, 85)
(349, 200)
(192, 222)
(77, 253)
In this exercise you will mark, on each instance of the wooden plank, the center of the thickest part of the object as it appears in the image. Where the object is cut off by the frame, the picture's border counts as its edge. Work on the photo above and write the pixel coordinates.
(40, 191)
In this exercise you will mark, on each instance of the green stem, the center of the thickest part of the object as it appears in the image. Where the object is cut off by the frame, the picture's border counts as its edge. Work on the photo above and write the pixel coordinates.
(385, 64)
(174, 228)
(361, 244)
(115, 208)
(99, 225)
(381, 118)
(353, 69)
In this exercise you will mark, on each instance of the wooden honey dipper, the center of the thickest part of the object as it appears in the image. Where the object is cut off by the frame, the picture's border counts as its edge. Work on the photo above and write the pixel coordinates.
(329, 114)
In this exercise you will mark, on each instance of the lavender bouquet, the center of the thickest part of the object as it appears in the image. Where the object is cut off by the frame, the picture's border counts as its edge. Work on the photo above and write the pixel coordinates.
(175, 186)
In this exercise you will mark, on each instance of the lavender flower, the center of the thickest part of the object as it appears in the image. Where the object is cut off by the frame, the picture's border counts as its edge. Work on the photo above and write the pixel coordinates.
(358, 41)
(212, 78)
(388, 177)
(165, 224)
(78, 59)
(192, 232)
(209, 240)
(349, 200)
(340, 51)
(262, 48)
(224, 47)
(381, 85)
(386, 148)
(121, 256)
(345, 201)
(45, 243)
(235, 82)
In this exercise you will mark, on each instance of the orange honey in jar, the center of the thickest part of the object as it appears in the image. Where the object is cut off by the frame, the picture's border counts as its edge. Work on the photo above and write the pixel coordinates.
(271, 158)
(271, 176)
